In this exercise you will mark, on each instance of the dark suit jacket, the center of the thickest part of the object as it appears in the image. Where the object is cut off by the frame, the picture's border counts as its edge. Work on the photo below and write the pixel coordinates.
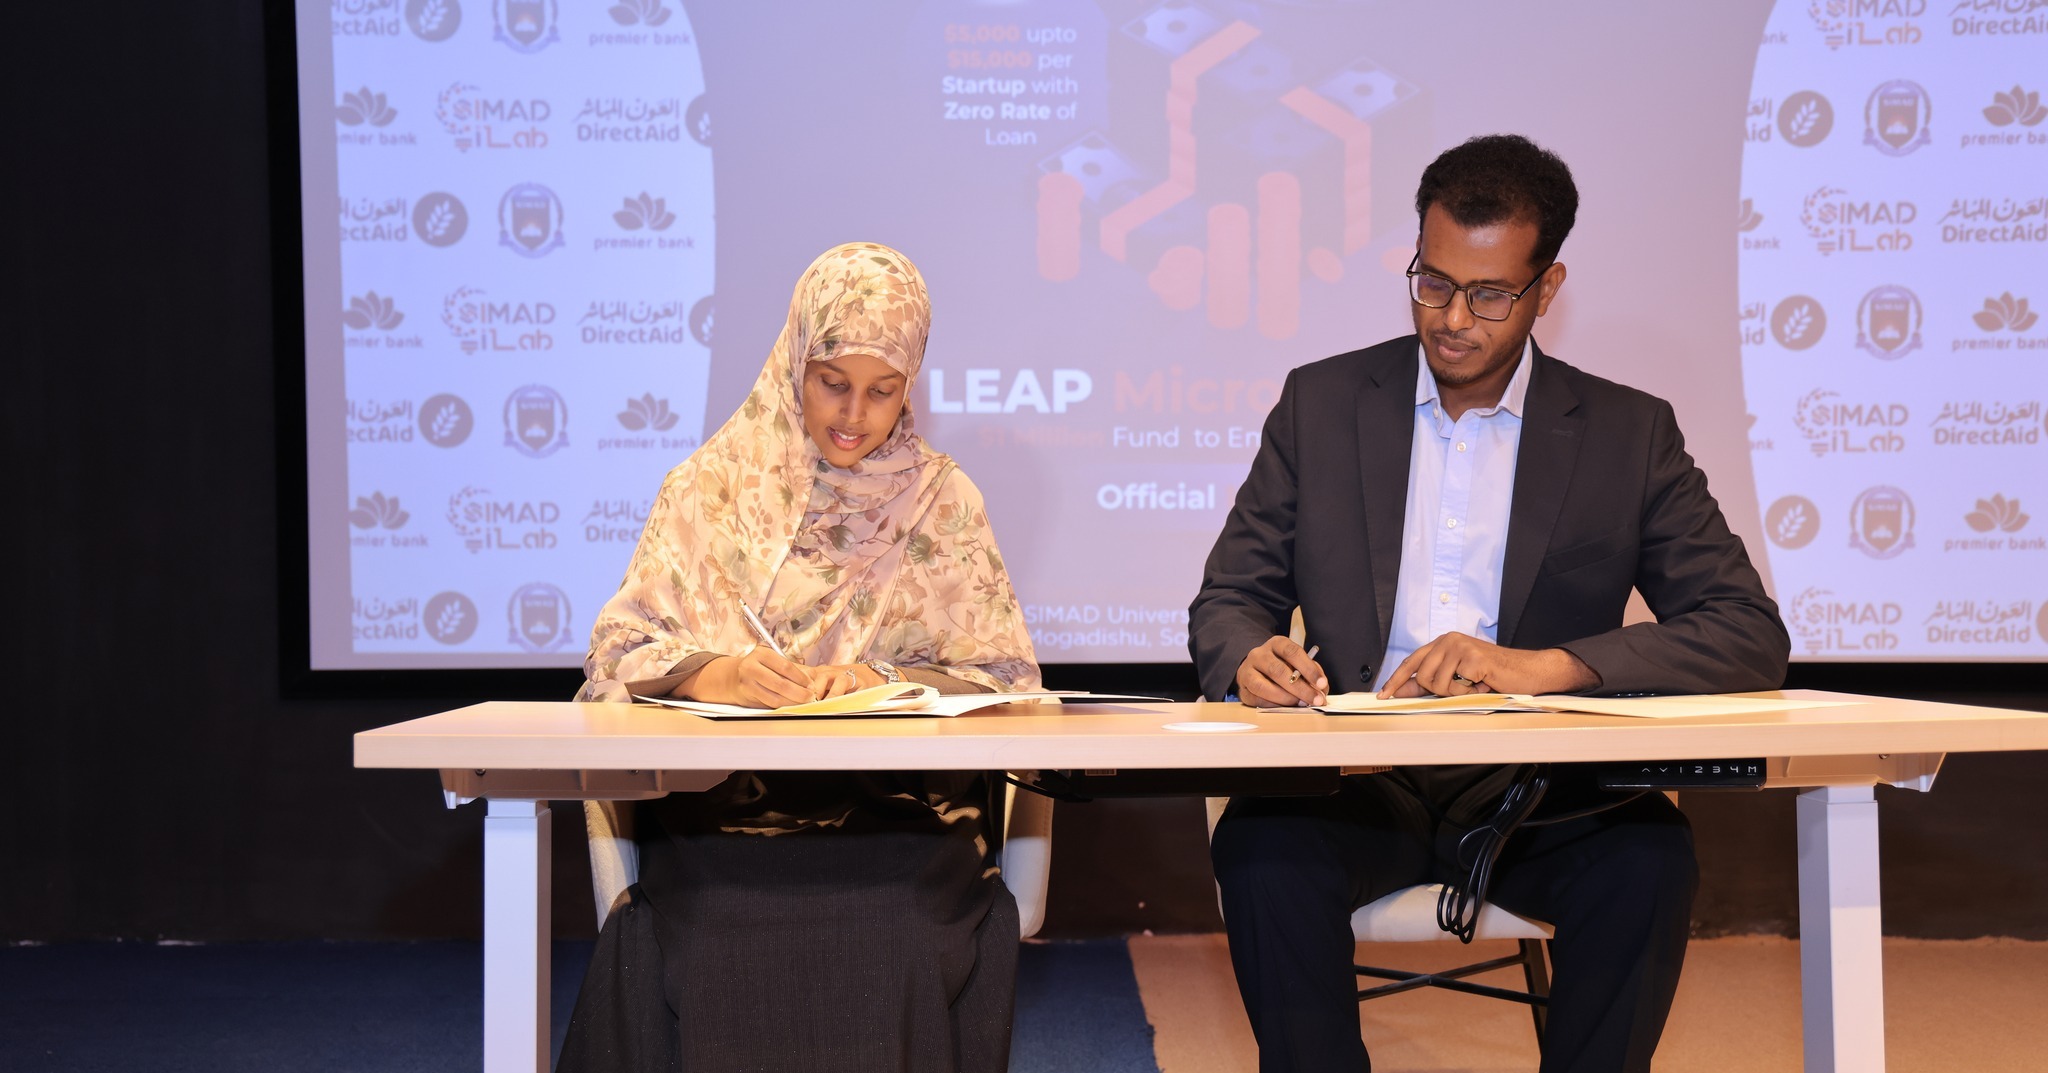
(1605, 499)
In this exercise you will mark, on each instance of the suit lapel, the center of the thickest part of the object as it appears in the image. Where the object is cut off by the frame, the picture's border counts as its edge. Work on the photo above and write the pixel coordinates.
(1551, 434)
(1386, 436)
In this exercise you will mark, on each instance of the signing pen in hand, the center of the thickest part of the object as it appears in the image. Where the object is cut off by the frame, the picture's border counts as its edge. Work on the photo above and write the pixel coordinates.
(1294, 675)
(761, 631)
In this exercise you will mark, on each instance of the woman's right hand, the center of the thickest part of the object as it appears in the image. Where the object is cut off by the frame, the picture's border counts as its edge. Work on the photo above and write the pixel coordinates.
(756, 678)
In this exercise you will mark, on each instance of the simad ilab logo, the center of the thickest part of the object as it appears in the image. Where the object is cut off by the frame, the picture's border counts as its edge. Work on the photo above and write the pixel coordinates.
(446, 420)
(1825, 623)
(539, 616)
(1798, 322)
(526, 25)
(530, 220)
(1868, 23)
(487, 524)
(1888, 322)
(1895, 117)
(440, 219)
(536, 421)
(449, 618)
(1792, 522)
(1881, 522)
(433, 20)
(1834, 426)
(1841, 223)
(1805, 119)
(477, 120)
(481, 324)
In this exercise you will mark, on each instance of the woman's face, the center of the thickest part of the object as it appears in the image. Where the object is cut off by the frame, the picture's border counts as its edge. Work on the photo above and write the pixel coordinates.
(851, 403)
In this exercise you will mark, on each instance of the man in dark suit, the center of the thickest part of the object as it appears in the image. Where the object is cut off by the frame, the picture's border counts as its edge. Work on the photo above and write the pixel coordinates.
(1455, 511)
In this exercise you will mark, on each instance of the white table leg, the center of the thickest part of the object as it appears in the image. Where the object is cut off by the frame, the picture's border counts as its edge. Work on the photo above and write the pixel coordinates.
(517, 896)
(1841, 943)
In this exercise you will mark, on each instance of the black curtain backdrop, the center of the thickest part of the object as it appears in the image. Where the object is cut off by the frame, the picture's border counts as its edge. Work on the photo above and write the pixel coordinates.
(159, 784)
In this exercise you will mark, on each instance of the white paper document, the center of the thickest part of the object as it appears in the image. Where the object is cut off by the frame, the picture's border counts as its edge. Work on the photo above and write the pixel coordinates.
(1672, 707)
(904, 698)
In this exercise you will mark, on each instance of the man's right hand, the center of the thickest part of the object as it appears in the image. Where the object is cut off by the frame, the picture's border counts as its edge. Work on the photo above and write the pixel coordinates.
(1278, 674)
(756, 678)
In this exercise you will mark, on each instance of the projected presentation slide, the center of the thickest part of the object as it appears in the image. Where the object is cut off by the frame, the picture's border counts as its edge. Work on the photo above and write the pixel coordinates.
(549, 243)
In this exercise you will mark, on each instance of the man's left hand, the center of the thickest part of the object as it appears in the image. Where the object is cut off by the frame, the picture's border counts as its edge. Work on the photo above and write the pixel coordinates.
(1456, 663)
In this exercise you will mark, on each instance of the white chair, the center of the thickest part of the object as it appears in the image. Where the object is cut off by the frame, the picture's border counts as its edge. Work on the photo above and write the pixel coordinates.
(1025, 857)
(1409, 916)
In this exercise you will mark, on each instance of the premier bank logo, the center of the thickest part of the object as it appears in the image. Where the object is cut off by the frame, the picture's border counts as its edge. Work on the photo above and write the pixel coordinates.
(376, 510)
(1997, 513)
(1999, 521)
(647, 412)
(644, 211)
(371, 310)
(364, 107)
(2018, 105)
(639, 13)
(2005, 313)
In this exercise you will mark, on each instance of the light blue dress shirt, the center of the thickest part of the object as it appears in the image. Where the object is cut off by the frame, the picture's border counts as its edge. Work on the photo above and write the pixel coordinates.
(1461, 481)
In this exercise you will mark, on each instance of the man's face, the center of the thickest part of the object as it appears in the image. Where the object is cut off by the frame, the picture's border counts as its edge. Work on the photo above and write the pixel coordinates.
(1464, 350)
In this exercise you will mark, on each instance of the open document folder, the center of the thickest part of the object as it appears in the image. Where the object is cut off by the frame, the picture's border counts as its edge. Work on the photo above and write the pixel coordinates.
(1636, 707)
(896, 698)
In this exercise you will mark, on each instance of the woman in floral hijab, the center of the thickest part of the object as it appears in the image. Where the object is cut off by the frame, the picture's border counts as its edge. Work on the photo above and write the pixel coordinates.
(813, 920)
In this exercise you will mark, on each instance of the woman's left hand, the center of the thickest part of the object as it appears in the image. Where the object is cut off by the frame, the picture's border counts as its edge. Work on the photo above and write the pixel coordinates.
(833, 681)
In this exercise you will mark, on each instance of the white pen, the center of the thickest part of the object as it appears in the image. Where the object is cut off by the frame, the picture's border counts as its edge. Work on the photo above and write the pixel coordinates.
(761, 631)
(1294, 676)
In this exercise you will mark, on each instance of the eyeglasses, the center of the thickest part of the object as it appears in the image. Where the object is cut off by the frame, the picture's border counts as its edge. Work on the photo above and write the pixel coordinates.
(1486, 303)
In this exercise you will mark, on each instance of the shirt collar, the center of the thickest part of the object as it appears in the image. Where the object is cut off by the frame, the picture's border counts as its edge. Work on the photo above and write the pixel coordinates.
(1511, 400)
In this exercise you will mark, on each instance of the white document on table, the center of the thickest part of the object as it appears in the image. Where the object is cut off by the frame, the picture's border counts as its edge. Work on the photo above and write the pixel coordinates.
(906, 698)
(1671, 707)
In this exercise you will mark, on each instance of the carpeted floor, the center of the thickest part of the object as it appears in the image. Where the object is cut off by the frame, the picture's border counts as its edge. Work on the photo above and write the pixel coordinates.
(1155, 1005)
(417, 1007)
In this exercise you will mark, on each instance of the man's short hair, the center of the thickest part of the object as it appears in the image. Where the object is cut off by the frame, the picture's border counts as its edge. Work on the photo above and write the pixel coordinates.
(1499, 177)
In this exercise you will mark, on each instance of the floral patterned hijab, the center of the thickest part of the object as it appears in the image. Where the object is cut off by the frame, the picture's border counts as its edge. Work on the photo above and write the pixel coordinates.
(891, 559)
